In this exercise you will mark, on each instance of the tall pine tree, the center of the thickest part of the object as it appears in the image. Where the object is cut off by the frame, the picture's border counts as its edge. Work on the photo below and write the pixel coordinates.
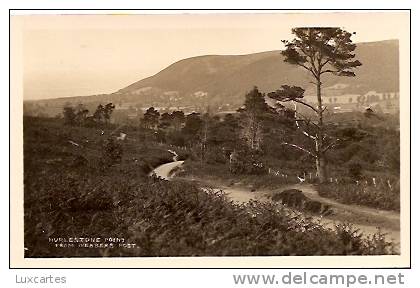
(319, 51)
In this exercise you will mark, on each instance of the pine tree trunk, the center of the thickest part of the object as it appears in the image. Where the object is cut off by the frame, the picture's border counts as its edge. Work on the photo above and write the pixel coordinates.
(320, 154)
(321, 168)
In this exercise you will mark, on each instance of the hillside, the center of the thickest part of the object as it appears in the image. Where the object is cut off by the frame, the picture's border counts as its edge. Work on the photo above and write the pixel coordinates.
(223, 79)
(232, 75)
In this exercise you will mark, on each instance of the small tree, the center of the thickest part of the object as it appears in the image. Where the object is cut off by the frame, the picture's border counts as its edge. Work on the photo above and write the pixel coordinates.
(253, 115)
(355, 170)
(204, 135)
(193, 126)
(178, 119)
(151, 118)
(81, 114)
(165, 120)
(99, 116)
(107, 112)
(69, 115)
(319, 51)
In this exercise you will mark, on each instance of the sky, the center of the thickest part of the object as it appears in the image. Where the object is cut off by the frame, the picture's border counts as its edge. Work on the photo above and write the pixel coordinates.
(77, 55)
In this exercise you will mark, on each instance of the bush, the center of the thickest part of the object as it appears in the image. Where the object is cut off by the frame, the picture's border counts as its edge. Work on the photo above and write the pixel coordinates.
(295, 199)
(215, 156)
(247, 162)
(111, 152)
(176, 138)
(380, 197)
(355, 170)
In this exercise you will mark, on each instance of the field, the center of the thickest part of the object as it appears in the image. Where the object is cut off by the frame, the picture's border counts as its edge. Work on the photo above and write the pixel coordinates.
(81, 182)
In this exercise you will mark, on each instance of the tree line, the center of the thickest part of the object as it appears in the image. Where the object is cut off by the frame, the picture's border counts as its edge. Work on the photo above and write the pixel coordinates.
(79, 115)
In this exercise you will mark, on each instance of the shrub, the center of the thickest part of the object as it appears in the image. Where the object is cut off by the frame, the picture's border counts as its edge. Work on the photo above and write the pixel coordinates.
(247, 162)
(355, 170)
(295, 198)
(215, 156)
(380, 197)
(111, 152)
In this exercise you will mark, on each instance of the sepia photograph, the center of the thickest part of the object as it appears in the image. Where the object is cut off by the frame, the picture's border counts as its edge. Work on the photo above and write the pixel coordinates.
(205, 136)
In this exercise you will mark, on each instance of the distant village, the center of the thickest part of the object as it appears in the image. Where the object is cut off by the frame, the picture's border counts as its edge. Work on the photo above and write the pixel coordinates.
(386, 102)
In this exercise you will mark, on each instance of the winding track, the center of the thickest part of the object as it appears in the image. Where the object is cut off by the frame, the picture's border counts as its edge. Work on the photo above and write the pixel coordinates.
(164, 171)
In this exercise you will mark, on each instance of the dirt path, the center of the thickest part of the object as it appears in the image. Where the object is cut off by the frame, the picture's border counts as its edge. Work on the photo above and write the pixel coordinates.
(164, 171)
(364, 218)
(310, 191)
(367, 219)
